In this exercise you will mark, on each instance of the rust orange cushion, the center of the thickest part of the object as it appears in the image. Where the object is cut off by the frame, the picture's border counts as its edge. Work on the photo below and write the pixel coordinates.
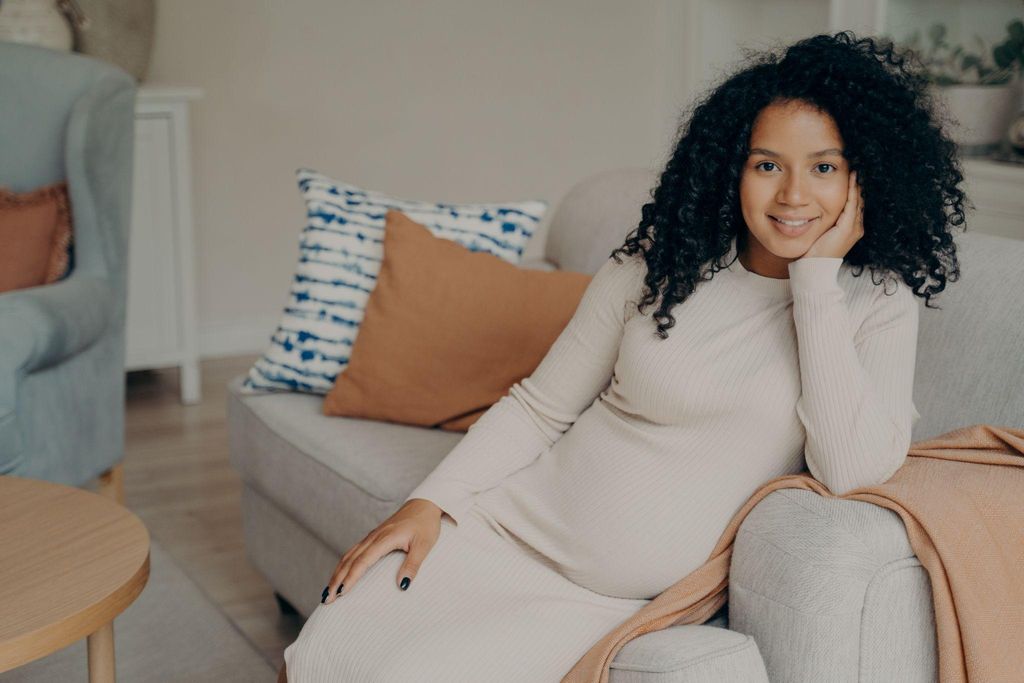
(448, 331)
(35, 230)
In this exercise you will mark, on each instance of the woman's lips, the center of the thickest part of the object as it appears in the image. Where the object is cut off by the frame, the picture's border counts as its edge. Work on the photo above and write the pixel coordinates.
(792, 230)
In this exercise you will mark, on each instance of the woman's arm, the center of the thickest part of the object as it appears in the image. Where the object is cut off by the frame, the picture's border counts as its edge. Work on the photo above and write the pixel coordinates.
(541, 407)
(856, 404)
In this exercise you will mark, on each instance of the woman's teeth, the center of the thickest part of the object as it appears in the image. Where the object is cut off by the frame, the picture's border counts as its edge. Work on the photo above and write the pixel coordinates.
(793, 228)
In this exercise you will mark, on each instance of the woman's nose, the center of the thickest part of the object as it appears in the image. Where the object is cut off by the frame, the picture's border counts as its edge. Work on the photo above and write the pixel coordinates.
(792, 191)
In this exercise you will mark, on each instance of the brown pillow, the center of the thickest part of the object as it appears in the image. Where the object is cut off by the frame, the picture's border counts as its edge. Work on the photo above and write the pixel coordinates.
(448, 331)
(35, 231)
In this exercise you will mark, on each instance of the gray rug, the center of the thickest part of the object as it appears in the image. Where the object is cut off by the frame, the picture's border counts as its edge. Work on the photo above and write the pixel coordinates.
(170, 633)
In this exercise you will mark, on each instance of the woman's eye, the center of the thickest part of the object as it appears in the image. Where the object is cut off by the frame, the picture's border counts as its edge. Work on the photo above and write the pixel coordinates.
(821, 168)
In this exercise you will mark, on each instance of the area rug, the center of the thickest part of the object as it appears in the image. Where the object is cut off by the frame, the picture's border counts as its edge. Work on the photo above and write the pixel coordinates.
(171, 633)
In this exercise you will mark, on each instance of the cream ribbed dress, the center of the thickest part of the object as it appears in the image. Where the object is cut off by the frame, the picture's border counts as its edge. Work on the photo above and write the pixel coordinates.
(611, 472)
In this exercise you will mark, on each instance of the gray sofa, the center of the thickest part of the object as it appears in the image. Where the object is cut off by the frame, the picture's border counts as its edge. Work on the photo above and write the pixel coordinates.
(820, 590)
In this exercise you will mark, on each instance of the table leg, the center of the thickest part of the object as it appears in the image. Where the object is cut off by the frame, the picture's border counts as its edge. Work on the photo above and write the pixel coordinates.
(101, 654)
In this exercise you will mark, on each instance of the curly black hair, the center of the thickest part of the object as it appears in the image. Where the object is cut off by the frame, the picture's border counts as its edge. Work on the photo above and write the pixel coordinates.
(907, 168)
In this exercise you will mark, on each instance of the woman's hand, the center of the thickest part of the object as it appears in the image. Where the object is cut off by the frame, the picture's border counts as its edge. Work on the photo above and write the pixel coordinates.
(414, 528)
(837, 241)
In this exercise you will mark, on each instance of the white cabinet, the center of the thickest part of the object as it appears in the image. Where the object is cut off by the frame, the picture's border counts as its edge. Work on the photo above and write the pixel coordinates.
(161, 315)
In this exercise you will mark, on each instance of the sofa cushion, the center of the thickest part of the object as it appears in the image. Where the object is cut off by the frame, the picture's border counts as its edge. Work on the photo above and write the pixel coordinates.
(338, 476)
(595, 216)
(979, 327)
(448, 331)
(340, 255)
(691, 653)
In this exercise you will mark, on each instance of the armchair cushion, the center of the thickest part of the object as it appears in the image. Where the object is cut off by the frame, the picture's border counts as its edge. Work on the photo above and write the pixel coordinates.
(35, 232)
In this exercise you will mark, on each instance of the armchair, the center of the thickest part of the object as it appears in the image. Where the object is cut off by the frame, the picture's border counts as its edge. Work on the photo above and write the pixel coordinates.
(67, 116)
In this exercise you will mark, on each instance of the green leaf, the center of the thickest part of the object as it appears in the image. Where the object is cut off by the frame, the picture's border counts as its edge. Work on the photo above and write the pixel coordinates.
(1004, 55)
(1016, 30)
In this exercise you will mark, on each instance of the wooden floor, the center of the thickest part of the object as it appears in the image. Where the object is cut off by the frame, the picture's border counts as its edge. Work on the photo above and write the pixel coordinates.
(178, 479)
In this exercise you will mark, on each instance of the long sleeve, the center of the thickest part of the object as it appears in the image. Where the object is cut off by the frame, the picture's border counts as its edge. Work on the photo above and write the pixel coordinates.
(540, 408)
(856, 403)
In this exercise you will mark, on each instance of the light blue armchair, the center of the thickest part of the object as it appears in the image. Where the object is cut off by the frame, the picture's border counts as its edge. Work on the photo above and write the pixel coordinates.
(67, 116)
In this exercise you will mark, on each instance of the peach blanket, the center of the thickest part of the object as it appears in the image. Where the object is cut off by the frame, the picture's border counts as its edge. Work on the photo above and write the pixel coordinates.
(961, 497)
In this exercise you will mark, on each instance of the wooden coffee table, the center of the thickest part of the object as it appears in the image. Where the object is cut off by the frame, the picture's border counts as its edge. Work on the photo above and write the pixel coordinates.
(70, 561)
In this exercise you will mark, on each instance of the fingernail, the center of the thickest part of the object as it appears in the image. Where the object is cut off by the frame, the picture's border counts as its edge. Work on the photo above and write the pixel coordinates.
(339, 589)
(405, 583)
(323, 598)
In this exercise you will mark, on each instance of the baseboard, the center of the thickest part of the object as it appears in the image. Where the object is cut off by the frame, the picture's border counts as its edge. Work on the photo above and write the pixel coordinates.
(236, 338)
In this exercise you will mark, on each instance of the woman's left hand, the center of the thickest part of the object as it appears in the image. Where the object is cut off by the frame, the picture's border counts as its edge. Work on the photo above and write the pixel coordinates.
(837, 241)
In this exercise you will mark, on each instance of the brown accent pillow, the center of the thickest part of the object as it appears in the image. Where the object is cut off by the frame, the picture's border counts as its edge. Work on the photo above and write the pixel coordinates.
(448, 331)
(35, 231)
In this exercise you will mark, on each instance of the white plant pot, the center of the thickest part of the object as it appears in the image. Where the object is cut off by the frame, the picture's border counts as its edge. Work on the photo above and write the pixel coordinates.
(36, 22)
(981, 113)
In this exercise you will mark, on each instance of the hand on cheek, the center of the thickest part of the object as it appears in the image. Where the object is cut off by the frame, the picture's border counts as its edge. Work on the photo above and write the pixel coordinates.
(837, 241)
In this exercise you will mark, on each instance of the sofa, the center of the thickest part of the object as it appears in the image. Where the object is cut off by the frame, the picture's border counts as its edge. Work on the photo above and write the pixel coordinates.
(820, 589)
(64, 116)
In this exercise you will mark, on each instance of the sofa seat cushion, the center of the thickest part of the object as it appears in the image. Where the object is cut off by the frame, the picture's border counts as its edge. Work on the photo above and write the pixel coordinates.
(690, 653)
(337, 476)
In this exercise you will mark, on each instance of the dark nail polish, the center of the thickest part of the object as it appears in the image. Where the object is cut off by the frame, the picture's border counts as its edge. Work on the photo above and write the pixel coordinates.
(323, 597)
(339, 589)
(405, 583)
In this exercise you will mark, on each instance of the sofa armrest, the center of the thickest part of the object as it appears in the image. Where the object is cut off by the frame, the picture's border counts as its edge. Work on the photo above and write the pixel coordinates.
(831, 590)
(691, 653)
(42, 326)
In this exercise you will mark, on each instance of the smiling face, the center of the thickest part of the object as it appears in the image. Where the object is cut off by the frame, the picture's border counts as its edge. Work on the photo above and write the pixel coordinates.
(795, 174)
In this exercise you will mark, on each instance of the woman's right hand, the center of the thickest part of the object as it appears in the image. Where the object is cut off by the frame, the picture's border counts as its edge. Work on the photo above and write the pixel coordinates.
(413, 528)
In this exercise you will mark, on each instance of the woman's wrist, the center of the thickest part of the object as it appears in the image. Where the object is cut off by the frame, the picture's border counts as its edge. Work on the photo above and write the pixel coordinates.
(424, 504)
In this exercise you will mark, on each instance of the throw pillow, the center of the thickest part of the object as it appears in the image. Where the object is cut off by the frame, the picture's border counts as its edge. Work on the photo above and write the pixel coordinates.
(35, 234)
(340, 255)
(447, 332)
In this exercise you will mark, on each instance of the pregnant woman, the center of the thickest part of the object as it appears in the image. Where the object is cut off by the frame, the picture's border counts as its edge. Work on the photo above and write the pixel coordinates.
(809, 199)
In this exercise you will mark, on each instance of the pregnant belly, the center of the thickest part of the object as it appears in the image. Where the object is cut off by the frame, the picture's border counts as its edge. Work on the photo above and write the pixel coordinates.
(612, 511)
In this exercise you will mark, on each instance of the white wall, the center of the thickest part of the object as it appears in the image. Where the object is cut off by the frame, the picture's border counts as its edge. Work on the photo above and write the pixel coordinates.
(449, 100)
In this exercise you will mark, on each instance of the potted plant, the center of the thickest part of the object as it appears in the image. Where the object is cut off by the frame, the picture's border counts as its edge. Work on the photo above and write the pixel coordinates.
(979, 87)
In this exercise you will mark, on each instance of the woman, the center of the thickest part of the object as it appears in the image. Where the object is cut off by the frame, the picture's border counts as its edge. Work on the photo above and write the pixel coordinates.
(611, 471)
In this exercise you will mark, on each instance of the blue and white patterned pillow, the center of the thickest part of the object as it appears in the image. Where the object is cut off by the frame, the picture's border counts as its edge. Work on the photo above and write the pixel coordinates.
(340, 252)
